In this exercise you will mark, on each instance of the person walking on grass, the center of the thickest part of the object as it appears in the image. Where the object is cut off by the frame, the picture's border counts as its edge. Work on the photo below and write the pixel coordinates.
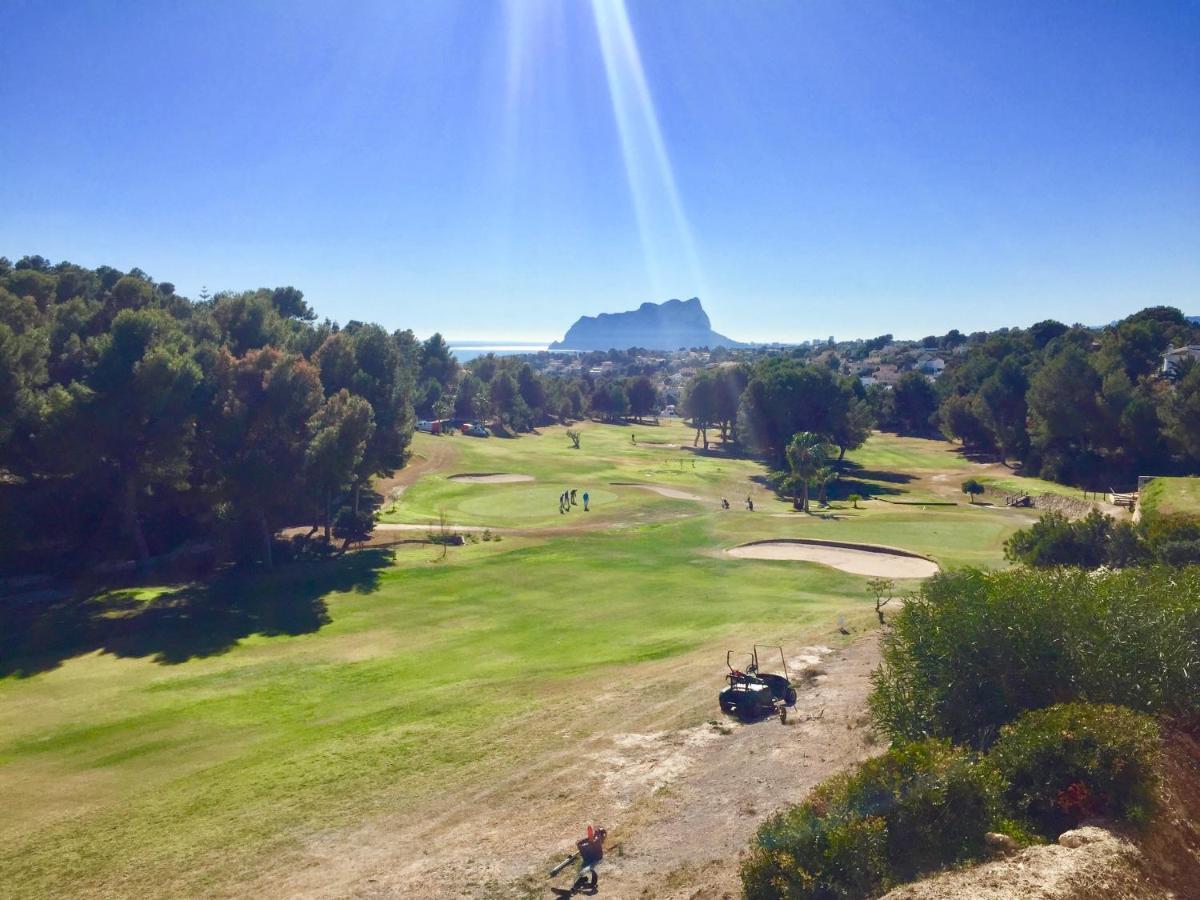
(574, 502)
(749, 503)
(585, 501)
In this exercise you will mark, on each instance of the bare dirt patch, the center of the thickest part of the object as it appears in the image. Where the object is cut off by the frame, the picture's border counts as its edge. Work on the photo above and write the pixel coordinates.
(428, 527)
(858, 559)
(490, 478)
(1072, 507)
(680, 788)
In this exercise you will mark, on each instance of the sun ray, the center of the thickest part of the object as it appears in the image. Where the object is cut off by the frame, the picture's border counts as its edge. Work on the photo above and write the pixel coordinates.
(667, 241)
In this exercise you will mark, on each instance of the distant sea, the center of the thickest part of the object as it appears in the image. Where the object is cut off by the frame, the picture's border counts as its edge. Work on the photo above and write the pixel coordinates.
(465, 351)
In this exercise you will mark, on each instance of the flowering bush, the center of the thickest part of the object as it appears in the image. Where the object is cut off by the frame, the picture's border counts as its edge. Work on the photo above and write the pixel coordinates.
(1077, 761)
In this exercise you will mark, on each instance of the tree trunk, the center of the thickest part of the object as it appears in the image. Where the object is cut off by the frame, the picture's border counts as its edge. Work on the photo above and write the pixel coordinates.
(804, 496)
(328, 508)
(268, 559)
(841, 452)
(705, 433)
(357, 494)
(133, 525)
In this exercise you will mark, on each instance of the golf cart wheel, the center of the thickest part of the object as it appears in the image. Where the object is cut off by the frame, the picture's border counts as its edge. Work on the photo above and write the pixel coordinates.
(783, 715)
(790, 697)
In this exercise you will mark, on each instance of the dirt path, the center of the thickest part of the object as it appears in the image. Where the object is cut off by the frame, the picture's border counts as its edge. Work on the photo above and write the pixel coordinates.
(439, 456)
(681, 796)
(491, 478)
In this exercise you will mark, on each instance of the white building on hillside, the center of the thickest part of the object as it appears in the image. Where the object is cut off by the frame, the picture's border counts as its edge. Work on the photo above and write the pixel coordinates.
(930, 365)
(1174, 357)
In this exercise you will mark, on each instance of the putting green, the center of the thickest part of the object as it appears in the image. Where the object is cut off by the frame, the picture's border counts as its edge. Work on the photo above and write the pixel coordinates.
(525, 503)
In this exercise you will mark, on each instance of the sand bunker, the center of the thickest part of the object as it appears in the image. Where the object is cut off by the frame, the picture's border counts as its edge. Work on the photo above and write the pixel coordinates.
(490, 477)
(858, 559)
(673, 493)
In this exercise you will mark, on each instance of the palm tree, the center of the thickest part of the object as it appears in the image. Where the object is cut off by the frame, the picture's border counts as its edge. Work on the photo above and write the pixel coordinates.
(824, 478)
(806, 455)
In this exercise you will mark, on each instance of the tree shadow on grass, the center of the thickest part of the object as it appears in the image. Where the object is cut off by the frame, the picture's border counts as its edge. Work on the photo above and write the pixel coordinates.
(845, 486)
(856, 471)
(37, 633)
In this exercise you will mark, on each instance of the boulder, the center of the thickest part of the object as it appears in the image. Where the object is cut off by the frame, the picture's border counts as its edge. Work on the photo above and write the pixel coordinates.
(1089, 834)
(1000, 844)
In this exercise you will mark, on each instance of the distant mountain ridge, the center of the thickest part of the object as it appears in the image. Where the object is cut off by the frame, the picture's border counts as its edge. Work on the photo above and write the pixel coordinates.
(655, 326)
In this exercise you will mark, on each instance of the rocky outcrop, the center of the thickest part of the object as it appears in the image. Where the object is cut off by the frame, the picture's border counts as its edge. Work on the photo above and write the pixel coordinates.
(672, 325)
(1086, 864)
(1160, 862)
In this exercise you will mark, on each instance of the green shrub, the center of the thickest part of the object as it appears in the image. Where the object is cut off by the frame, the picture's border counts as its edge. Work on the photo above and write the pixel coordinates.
(1126, 547)
(973, 650)
(971, 487)
(1095, 540)
(916, 808)
(822, 855)
(1169, 528)
(1179, 553)
(1077, 761)
(1173, 539)
(351, 526)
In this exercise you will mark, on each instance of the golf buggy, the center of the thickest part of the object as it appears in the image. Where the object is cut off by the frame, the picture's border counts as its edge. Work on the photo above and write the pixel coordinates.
(753, 694)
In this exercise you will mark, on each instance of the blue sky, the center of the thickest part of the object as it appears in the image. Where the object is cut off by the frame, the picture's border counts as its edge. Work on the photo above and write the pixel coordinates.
(494, 170)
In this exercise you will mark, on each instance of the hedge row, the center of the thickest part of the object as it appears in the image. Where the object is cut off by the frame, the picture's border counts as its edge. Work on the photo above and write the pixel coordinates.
(974, 649)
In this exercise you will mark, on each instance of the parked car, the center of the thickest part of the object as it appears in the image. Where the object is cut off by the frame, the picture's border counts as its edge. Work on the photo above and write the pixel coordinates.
(475, 430)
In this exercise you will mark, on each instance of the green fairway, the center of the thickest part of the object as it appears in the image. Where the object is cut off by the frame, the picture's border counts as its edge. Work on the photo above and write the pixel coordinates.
(893, 453)
(1167, 496)
(192, 734)
(607, 454)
